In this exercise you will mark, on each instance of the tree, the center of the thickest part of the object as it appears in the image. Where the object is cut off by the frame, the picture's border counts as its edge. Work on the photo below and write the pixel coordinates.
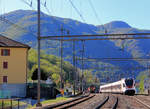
(44, 75)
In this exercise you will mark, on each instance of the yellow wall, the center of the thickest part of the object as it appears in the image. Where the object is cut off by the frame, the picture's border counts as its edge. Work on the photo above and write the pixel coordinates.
(17, 65)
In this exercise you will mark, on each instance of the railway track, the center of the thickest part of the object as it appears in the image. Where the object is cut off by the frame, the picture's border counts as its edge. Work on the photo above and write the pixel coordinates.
(142, 102)
(101, 104)
(111, 104)
(104, 101)
(132, 102)
(70, 103)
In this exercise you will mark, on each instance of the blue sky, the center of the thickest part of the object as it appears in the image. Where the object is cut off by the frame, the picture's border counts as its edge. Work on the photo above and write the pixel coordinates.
(134, 12)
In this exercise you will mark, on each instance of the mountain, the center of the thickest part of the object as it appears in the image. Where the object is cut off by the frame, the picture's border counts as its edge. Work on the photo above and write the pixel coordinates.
(115, 25)
(22, 26)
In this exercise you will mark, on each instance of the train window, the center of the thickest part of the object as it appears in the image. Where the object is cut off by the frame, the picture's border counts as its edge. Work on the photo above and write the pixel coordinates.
(129, 82)
(124, 85)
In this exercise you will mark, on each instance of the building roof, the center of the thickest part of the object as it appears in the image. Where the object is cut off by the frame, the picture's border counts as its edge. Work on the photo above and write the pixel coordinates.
(7, 42)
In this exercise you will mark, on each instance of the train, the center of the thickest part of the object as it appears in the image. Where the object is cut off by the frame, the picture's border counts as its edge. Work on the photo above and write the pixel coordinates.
(92, 89)
(124, 86)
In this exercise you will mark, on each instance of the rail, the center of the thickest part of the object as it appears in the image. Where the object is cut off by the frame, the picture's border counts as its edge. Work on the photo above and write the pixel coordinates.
(68, 102)
(116, 104)
(146, 105)
(99, 106)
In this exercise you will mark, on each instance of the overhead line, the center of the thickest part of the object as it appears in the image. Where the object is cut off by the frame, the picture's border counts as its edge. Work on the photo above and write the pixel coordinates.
(49, 12)
(98, 36)
(114, 59)
(100, 39)
(29, 4)
(96, 15)
(15, 25)
(117, 68)
(76, 10)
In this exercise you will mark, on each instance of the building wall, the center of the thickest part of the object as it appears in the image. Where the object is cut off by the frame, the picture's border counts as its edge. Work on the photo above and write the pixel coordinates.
(16, 73)
(17, 66)
(12, 90)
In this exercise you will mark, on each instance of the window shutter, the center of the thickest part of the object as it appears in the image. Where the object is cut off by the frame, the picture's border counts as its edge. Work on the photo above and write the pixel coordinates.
(9, 52)
(2, 52)
(5, 65)
(4, 79)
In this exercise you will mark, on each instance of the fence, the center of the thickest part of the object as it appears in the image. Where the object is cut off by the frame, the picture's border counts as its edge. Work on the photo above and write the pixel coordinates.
(13, 104)
(12, 90)
(5, 94)
(48, 91)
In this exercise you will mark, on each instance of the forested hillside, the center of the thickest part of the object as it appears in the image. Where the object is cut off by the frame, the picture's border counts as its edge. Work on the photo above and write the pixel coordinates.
(50, 66)
(51, 25)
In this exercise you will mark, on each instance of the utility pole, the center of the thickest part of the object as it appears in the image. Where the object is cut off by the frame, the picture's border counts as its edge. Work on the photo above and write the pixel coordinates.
(74, 71)
(61, 58)
(39, 72)
(82, 65)
(77, 74)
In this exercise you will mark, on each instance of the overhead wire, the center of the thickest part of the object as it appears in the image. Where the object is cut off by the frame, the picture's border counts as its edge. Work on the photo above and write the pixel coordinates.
(29, 4)
(3, 19)
(96, 15)
(53, 18)
(78, 12)
(0, 6)
(48, 11)
(19, 27)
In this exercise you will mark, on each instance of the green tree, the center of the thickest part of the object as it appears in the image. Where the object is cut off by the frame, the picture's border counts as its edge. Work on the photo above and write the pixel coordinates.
(44, 75)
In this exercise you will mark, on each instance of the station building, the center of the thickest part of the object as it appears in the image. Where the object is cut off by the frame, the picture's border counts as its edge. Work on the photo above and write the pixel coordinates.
(13, 68)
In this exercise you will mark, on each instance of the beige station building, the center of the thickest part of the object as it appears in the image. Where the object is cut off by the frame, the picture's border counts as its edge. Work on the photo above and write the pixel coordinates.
(13, 67)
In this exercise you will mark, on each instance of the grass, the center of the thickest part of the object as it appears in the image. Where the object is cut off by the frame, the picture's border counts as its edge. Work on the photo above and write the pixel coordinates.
(52, 101)
(60, 99)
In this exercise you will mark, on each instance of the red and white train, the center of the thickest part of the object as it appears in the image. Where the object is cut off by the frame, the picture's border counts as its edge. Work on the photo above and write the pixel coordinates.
(124, 86)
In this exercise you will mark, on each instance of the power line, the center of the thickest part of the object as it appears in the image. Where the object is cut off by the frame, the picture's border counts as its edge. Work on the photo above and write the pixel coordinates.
(122, 36)
(115, 59)
(96, 15)
(53, 18)
(77, 10)
(118, 68)
(29, 4)
(15, 25)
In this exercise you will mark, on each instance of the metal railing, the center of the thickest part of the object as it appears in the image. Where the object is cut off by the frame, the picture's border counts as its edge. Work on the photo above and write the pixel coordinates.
(14, 103)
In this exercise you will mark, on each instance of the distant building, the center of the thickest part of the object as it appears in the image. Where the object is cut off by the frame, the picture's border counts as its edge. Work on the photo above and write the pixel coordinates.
(13, 68)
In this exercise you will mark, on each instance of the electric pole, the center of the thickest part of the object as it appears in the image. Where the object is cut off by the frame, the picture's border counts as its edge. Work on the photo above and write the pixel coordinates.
(82, 77)
(39, 72)
(74, 71)
(61, 59)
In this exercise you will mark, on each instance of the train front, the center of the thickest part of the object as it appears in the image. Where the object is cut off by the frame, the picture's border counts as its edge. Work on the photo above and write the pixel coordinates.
(129, 86)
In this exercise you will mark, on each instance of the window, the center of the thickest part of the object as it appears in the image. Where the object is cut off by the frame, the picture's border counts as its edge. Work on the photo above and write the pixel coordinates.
(129, 82)
(5, 52)
(5, 65)
(4, 79)
(124, 85)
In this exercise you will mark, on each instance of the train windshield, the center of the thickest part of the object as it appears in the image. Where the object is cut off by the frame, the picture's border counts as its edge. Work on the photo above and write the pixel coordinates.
(129, 82)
